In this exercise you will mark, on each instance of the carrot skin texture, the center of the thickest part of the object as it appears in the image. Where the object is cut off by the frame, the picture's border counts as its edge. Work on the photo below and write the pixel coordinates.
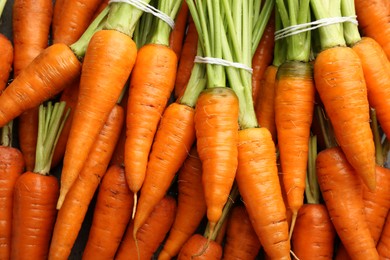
(195, 246)
(49, 73)
(151, 84)
(104, 71)
(376, 67)
(186, 61)
(11, 167)
(258, 183)
(216, 125)
(383, 245)
(262, 58)
(265, 105)
(151, 234)
(338, 181)
(177, 35)
(241, 239)
(7, 51)
(340, 82)
(72, 213)
(34, 215)
(314, 234)
(191, 206)
(72, 19)
(374, 21)
(111, 215)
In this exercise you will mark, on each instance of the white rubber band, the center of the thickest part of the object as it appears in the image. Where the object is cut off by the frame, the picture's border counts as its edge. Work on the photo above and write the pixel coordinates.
(226, 63)
(147, 8)
(304, 27)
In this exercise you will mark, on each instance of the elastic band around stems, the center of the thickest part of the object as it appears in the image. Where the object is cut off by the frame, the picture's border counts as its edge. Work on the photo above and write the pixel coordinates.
(147, 8)
(304, 27)
(226, 63)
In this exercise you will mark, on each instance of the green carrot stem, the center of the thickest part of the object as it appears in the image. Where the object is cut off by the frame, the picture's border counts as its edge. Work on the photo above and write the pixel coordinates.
(80, 46)
(379, 156)
(280, 48)
(145, 28)
(6, 134)
(312, 189)
(261, 23)
(2, 5)
(351, 31)
(50, 123)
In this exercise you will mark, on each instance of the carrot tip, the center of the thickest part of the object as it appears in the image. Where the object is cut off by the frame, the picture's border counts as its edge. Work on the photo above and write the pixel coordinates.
(293, 220)
(134, 205)
(60, 201)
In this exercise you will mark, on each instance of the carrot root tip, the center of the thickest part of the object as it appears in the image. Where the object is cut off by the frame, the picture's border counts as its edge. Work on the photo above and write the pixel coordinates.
(134, 205)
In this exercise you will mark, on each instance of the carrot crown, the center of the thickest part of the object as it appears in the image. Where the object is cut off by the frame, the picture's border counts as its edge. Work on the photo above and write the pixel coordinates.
(51, 120)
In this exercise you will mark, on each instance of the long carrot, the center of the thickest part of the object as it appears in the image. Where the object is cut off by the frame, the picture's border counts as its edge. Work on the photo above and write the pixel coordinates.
(151, 234)
(36, 193)
(11, 167)
(196, 244)
(191, 206)
(111, 215)
(339, 79)
(151, 85)
(177, 35)
(6, 48)
(72, 214)
(342, 192)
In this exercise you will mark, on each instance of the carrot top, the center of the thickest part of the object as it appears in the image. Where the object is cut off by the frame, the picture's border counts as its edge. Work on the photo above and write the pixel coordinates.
(50, 123)
(280, 48)
(351, 31)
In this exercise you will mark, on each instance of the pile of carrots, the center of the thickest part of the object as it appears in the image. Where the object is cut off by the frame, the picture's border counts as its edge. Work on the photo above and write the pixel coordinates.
(123, 136)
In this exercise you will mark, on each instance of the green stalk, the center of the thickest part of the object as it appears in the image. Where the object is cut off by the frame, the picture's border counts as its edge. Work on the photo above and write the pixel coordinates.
(312, 189)
(261, 23)
(379, 155)
(331, 35)
(50, 124)
(6, 134)
(280, 48)
(145, 28)
(351, 31)
(2, 5)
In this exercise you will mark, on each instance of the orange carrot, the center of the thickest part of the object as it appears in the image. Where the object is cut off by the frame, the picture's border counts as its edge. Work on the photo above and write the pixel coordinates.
(178, 32)
(73, 211)
(196, 244)
(383, 245)
(103, 4)
(11, 167)
(48, 81)
(191, 206)
(241, 239)
(111, 215)
(97, 77)
(6, 48)
(151, 234)
(342, 192)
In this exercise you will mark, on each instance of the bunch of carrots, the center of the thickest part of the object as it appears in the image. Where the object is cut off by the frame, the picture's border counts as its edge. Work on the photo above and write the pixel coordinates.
(193, 129)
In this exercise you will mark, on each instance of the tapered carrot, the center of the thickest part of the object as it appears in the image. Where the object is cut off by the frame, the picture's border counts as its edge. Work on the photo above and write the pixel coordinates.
(186, 61)
(111, 215)
(338, 73)
(36, 193)
(191, 206)
(241, 239)
(151, 84)
(11, 167)
(107, 47)
(151, 234)
(177, 35)
(339, 182)
(72, 213)
(6, 48)
(196, 244)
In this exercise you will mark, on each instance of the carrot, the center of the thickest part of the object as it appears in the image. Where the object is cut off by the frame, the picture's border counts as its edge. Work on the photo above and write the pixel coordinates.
(383, 245)
(338, 73)
(241, 239)
(374, 21)
(196, 244)
(342, 193)
(72, 213)
(151, 234)
(11, 167)
(191, 206)
(111, 215)
(36, 193)
(262, 58)
(72, 19)
(186, 61)
(151, 84)
(103, 4)
(177, 35)
(6, 48)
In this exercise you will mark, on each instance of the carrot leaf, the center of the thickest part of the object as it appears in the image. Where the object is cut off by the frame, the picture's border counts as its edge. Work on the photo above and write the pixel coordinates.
(51, 120)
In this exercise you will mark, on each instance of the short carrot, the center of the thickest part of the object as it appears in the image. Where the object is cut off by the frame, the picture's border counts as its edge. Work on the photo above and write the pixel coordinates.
(111, 215)
(196, 244)
(11, 167)
(241, 239)
(151, 234)
(6, 48)
(191, 206)
(72, 214)
(177, 35)
(36, 193)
